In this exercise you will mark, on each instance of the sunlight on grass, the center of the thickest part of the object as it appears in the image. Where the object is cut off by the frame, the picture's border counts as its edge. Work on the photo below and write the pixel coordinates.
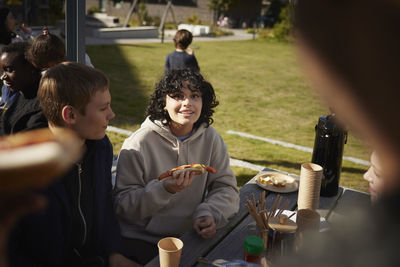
(261, 90)
(243, 175)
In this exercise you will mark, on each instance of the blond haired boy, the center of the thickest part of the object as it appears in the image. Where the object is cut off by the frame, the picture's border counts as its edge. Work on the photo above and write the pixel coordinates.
(78, 228)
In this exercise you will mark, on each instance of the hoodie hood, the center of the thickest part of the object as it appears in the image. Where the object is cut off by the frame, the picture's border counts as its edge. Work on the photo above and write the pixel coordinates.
(165, 132)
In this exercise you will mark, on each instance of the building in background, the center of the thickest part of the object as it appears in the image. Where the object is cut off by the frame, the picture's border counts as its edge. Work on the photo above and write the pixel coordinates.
(244, 13)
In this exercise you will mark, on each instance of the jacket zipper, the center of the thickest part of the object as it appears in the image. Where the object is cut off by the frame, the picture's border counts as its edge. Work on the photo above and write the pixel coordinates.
(79, 202)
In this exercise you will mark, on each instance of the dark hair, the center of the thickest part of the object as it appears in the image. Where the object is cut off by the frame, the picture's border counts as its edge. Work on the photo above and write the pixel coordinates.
(69, 83)
(5, 34)
(19, 48)
(182, 39)
(46, 51)
(173, 82)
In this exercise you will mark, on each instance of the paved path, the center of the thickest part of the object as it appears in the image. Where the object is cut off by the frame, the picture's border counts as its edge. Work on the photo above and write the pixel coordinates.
(238, 36)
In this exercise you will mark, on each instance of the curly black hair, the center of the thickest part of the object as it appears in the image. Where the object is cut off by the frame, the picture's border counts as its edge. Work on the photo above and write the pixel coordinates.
(172, 83)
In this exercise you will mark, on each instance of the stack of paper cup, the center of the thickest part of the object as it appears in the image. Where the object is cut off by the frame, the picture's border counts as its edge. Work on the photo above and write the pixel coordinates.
(310, 186)
(307, 219)
(170, 250)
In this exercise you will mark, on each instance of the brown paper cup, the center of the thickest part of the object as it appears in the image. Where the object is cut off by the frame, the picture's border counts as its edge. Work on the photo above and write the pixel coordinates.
(310, 186)
(307, 219)
(170, 250)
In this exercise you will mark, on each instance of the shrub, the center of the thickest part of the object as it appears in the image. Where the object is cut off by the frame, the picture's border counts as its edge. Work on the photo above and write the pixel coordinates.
(218, 32)
(170, 26)
(282, 29)
(93, 9)
(193, 20)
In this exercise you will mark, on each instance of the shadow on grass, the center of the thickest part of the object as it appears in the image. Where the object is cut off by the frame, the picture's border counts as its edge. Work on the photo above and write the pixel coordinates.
(128, 101)
(242, 179)
(139, 45)
(283, 163)
(353, 170)
(296, 166)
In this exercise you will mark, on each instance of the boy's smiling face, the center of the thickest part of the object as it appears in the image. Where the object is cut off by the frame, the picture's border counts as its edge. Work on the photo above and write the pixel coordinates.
(98, 113)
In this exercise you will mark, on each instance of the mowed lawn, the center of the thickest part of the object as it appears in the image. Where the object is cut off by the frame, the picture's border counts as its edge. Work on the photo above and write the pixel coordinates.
(261, 90)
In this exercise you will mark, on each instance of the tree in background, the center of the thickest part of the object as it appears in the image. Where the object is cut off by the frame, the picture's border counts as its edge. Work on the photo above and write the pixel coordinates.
(219, 7)
(274, 10)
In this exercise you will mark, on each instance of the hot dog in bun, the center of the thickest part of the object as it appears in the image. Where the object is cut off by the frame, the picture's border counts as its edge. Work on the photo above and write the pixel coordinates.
(194, 167)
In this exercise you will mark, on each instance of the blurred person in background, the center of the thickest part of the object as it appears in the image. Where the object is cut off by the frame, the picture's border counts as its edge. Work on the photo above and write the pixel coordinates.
(183, 57)
(46, 50)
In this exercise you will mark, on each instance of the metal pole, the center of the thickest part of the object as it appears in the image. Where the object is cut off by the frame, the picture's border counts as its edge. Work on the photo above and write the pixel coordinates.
(130, 13)
(75, 30)
(164, 17)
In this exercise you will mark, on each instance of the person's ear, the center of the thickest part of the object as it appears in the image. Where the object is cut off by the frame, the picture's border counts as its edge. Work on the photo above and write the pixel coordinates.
(68, 114)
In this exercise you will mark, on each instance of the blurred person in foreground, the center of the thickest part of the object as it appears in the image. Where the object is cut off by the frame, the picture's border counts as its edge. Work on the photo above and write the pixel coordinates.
(374, 177)
(350, 51)
(12, 207)
(78, 226)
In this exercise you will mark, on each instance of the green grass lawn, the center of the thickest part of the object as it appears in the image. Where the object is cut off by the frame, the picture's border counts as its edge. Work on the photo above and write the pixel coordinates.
(261, 90)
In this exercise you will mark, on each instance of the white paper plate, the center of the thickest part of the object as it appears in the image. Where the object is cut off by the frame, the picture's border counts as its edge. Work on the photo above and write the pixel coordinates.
(291, 185)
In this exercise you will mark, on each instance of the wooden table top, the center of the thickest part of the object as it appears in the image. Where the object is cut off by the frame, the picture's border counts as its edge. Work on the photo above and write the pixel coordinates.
(228, 242)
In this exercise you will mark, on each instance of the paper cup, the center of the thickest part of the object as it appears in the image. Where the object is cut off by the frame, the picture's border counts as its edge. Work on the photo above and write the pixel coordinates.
(307, 220)
(170, 250)
(310, 186)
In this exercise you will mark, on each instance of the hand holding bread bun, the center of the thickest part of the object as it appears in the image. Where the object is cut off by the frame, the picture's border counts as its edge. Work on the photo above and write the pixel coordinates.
(194, 167)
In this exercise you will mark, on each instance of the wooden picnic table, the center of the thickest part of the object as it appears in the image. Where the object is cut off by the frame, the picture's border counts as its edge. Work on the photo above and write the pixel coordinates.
(228, 242)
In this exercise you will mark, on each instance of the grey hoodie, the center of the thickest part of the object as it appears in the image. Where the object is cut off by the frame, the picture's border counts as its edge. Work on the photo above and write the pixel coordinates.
(145, 209)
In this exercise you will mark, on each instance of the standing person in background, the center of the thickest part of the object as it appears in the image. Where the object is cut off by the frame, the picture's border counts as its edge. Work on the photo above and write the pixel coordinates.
(183, 56)
(8, 27)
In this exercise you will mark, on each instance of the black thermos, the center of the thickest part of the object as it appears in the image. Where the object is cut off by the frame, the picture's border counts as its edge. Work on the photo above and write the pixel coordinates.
(328, 152)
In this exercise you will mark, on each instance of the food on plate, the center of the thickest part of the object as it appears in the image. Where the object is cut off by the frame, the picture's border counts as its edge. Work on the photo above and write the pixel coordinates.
(273, 180)
(33, 159)
(194, 167)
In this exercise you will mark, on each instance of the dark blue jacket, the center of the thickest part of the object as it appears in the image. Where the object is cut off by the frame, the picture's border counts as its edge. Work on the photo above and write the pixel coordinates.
(23, 113)
(180, 60)
(45, 238)
(7, 96)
